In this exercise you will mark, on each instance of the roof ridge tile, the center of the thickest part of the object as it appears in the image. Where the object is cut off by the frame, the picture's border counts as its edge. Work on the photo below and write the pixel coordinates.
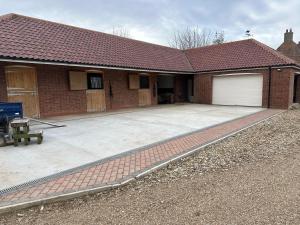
(216, 45)
(8, 16)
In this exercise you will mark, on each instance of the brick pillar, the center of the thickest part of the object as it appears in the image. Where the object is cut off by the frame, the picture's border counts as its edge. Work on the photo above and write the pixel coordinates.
(281, 88)
(153, 87)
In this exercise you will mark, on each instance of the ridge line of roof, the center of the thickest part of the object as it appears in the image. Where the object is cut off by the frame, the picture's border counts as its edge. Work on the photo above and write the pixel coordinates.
(188, 60)
(7, 16)
(216, 45)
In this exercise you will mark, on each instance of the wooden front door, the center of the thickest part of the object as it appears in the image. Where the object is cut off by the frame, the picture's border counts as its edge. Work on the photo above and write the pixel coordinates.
(95, 100)
(144, 97)
(22, 87)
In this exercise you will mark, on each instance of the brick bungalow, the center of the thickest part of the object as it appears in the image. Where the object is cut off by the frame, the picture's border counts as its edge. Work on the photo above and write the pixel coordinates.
(56, 69)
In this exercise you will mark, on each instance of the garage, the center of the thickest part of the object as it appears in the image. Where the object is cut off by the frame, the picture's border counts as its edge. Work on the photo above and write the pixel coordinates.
(238, 89)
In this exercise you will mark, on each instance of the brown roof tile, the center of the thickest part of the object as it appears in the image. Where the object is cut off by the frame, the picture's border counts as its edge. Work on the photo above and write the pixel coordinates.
(30, 38)
(235, 55)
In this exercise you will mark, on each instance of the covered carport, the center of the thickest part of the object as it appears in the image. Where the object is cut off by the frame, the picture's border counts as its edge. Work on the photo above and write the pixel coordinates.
(174, 88)
(165, 89)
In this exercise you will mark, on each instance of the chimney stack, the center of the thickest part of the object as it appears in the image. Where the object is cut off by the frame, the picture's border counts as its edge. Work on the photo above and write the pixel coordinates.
(288, 36)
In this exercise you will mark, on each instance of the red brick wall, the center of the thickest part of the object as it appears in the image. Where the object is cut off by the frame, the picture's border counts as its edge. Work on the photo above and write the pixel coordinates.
(280, 91)
(122, 97)
(3, 93)
(282, 88)
(57, 99)
(55, 96)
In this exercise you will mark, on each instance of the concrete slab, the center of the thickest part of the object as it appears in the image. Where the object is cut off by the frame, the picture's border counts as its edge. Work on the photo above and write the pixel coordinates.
(93, 137)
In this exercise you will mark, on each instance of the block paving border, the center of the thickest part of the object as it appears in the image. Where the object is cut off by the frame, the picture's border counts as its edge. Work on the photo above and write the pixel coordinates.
(123, 168)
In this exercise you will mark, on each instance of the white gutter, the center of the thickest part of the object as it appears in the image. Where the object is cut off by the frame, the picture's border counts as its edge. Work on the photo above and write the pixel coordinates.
(89, 66)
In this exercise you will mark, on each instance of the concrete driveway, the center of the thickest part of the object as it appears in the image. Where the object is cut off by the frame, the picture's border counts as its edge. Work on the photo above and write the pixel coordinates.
(89, 138)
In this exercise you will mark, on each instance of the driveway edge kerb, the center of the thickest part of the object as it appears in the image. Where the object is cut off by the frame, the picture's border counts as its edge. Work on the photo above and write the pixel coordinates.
(130, 178)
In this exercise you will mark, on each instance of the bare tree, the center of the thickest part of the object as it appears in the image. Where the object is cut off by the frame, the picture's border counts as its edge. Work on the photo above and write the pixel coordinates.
(121, 31)
(195, 37)
(219, 38)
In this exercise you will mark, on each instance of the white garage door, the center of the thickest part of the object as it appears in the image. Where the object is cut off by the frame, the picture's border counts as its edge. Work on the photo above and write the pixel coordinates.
(244, 90)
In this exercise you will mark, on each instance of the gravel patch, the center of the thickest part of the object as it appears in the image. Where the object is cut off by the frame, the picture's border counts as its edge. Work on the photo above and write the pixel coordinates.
(250, 178)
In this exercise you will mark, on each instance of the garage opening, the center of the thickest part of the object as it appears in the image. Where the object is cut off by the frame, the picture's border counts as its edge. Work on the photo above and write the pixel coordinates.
(296, 97)
(238, 89)
(165, 89)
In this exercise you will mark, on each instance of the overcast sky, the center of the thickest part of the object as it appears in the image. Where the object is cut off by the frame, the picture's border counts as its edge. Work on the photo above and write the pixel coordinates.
(155, 20)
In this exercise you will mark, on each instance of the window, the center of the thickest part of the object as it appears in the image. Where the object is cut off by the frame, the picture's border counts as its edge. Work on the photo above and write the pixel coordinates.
(95, 81)
(144, 82)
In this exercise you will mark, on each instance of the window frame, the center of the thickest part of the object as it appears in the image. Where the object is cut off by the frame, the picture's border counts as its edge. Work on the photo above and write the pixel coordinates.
(89, 82)
(148, 81)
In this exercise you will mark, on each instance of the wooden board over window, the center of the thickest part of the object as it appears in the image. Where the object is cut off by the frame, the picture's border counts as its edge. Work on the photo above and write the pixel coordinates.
(78, 80)
(134, 82)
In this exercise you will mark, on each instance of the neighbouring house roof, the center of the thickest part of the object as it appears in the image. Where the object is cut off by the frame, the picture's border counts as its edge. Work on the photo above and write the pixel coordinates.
(289, 48)
(27, 38)
(235, 55)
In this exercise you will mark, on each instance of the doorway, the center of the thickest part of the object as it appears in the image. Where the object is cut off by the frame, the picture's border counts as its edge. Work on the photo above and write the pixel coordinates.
(22, 87)
(165, 89)
(296, 97)
(95, 94)
(144, 91)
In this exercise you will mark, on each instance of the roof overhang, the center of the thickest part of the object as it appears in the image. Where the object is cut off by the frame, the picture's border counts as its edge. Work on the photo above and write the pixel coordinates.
(24, 61)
